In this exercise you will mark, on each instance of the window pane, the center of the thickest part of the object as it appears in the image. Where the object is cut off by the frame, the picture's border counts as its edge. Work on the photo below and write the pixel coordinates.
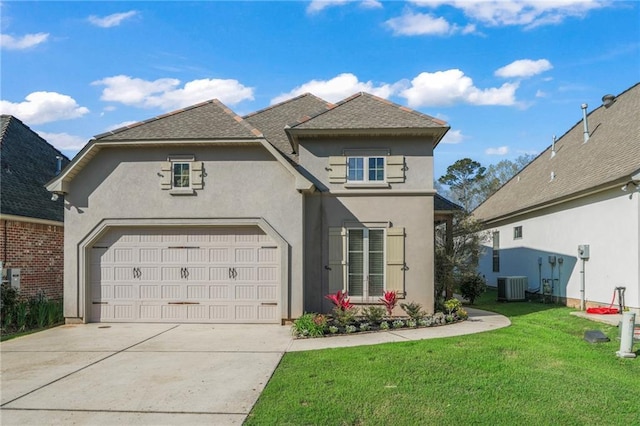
(355, 166)
(376, 262)
(376, 285)
(181, 175)
(376, 169)
(356, 238)
(355, 268)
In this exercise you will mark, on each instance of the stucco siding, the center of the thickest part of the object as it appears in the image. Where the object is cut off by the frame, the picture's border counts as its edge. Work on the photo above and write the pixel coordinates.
(608, 222)
(418, 153)
(413, 213)
(240, 182)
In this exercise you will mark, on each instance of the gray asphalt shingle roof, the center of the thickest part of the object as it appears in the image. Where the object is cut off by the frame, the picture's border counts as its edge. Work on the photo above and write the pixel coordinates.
(28, 162)
(366, 111)
(611, 154)
(207, 120)
(272, 120)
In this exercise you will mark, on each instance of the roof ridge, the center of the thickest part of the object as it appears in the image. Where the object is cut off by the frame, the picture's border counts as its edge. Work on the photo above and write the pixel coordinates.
(216, 102)
(369, 95)
(279, 104)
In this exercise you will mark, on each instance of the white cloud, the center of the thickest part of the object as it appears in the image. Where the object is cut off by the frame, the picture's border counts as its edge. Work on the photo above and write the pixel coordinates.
(541, 94)
(111, 20)
(24, 42)
(64, 141)
(371, 4)
(44, 107)
(120, 125)
(420, 24)
(316, 6)
(527, 13)
(501, 150)
(166, 94)
(524, 68)
(337, 88)
(444, 88)
(453, 137)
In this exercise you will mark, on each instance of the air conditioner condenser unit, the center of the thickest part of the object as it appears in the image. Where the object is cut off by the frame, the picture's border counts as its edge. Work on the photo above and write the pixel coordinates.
(512, 289)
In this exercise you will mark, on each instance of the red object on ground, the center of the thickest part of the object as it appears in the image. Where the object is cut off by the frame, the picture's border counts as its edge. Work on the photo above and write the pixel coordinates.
(602, 311)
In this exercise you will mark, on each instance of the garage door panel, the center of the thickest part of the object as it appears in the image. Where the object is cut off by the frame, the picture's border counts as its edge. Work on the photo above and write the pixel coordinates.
(245, 255)
(222, 275)
(124, 291)
(149, 292)
(171, 292)
(219, 255)
(219, 292)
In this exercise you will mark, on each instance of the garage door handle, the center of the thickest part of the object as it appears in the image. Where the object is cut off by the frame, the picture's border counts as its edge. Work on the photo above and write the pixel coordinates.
(184, 303)
(269, 303)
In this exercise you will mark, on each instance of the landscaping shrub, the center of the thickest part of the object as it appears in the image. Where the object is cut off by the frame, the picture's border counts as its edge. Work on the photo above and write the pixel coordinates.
(414, 310)
(373, 314)
(472, 286)
(309, 325)
(20, 315)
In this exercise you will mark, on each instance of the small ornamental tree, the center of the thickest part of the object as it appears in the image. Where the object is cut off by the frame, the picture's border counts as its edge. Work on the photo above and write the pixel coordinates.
(390, 299)
(340, 300)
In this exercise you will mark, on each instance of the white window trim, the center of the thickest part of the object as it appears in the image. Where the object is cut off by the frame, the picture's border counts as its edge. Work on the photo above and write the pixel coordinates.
(181, 159)
(366, 298)
(365, 173)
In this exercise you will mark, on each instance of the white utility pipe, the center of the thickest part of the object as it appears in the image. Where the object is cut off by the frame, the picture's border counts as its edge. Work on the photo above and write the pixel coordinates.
(626, 336)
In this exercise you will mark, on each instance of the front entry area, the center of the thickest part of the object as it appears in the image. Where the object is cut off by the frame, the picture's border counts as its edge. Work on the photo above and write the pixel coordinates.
(185, 274)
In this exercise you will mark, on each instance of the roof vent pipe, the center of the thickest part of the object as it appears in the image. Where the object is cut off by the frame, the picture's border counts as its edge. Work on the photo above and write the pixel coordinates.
(58, 165)
(585, 122)
(553, 147)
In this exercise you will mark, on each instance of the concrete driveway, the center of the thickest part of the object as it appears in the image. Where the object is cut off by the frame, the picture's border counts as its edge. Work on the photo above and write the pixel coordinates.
(138, 373)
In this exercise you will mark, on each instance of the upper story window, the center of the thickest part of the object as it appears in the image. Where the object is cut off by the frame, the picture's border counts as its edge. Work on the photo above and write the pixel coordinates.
(372, 168)
(181, 175)
(365, 169)
(517, 232)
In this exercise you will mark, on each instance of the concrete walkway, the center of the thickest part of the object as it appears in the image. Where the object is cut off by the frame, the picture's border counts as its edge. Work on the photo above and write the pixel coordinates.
(160, 374)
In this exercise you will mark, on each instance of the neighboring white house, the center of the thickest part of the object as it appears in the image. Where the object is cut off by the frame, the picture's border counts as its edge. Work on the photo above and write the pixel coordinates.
(583, 192)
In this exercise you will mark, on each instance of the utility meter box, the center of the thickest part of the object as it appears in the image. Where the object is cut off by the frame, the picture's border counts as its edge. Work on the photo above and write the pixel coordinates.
(583, 251)
(13, 277)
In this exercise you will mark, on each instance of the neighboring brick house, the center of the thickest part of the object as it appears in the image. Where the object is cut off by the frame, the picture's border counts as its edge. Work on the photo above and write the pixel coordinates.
(31, 223)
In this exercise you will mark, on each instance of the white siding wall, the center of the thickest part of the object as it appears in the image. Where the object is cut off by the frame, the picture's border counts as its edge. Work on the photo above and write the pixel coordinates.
(609, 222)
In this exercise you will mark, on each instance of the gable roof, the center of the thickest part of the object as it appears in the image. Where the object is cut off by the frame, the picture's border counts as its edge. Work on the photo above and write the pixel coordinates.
(610, 156)
(206, 120)
(28, 162)
(209, 122)
(366, 114)
(272, 120)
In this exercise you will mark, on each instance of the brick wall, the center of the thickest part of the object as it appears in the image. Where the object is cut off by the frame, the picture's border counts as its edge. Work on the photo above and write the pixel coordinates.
(37, 249)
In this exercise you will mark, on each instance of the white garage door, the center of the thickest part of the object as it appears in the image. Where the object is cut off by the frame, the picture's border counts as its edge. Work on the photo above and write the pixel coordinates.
(207, 275)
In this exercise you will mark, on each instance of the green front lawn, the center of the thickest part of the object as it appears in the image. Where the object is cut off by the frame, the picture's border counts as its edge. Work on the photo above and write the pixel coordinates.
(539, 371)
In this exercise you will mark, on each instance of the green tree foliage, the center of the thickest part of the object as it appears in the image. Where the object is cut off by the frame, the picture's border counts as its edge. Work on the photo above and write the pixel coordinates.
(468, 183)
(459, 258)
(464, 178)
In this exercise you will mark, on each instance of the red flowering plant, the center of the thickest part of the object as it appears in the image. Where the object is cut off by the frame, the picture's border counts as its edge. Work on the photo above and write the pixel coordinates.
(390, 300)
(340, 300)
(344, 311)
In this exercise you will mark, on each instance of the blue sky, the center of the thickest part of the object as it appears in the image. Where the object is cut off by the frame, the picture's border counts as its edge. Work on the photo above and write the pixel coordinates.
(506, 76)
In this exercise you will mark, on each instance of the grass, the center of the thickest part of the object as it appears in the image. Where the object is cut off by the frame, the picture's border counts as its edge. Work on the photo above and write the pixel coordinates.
(539, 371)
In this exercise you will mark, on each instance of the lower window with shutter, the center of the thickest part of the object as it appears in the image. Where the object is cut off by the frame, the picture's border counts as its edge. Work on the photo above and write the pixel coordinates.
(366, 262)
